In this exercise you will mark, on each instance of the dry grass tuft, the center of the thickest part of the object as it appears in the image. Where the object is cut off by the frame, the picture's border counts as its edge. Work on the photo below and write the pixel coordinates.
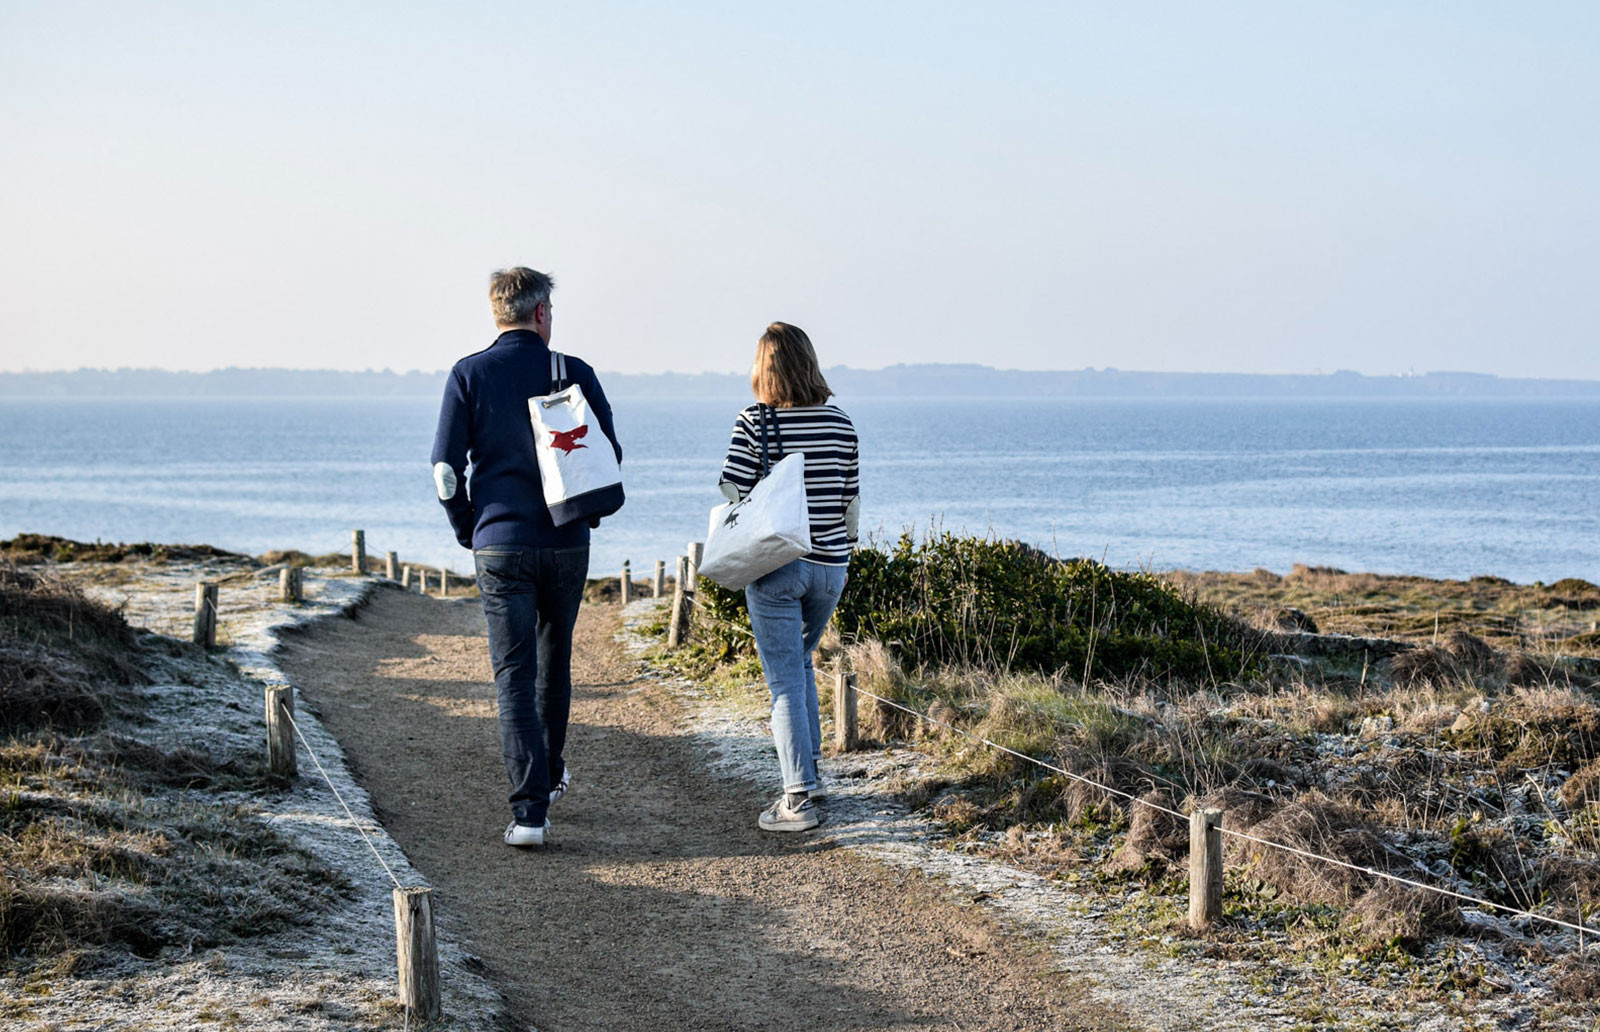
(1392, 912)
(1576, 587)
(1577, 978)
(1423, 666)
(1523, 671)
(1292, 619)
(878, 671)
(1582, 788)
(1471, 652)
(1154, 839)
(292, 557)
(64, 658)
(1317, 824)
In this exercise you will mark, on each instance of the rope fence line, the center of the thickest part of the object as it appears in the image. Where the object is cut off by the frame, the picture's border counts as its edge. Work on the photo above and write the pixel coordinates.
(1219, 830)
(416, 948)
(348, 812)
(1024, 756)
(1245, 836)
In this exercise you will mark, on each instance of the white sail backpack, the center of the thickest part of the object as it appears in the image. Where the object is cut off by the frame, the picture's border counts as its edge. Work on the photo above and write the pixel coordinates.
(769, 527)
(577, 463)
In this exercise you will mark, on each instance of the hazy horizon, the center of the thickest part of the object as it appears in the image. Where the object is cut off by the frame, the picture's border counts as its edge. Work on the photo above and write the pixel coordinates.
(440, 371)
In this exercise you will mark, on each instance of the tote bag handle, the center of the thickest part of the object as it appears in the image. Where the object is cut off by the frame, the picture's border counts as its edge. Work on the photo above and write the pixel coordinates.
(558, 371)
(766, 460)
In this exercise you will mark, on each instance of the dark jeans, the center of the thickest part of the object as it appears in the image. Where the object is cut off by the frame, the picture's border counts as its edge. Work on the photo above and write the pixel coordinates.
(530, 599)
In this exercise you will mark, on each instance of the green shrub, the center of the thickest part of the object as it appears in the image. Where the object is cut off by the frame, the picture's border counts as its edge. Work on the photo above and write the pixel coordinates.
(957, 599)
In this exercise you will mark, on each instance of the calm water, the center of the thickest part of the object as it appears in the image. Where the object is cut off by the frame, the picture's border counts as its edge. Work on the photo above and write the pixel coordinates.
(1444, 488)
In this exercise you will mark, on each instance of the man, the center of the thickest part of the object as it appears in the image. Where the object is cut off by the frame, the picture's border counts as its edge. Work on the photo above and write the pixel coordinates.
(531, 572)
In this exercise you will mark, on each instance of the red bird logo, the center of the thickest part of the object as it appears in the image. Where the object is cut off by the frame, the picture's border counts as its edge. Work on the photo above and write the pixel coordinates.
(567, 440)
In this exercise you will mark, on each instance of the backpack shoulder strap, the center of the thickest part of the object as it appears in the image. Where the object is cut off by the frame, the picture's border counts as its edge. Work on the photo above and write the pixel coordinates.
(558, 371)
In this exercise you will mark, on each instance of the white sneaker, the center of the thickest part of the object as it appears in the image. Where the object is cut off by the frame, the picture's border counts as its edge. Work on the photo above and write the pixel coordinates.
(523, 835)
(820, 793)
(562, 785)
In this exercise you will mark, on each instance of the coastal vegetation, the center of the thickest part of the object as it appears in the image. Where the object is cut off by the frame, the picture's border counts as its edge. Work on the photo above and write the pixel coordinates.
(113, 844)
(1448, 733)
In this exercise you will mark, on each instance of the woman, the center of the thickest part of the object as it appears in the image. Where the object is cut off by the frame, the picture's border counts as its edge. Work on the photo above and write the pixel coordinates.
(790, 607)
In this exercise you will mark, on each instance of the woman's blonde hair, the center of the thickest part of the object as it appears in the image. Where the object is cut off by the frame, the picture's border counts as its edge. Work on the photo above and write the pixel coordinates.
(785, 373)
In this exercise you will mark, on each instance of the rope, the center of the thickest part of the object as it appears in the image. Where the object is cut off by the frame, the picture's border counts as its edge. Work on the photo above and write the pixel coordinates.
(1307, 854)
(312, 753)
(363, 831)
(1580, 929)
(1024, 756)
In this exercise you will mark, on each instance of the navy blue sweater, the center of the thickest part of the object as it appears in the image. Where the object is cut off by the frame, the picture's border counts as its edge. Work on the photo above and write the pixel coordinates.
(484, 420)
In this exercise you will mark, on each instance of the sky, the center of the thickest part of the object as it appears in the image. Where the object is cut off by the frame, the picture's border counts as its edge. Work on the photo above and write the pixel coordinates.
(1246, 187)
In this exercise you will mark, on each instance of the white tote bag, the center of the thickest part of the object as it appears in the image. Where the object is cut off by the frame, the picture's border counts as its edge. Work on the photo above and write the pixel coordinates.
(577, 464)
(769, 527)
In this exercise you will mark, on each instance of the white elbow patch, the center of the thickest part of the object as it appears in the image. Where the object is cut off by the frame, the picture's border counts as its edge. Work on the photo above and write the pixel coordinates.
(444, 478)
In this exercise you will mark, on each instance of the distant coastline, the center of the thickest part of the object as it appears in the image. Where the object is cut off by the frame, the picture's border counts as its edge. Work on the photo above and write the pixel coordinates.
(918, 380)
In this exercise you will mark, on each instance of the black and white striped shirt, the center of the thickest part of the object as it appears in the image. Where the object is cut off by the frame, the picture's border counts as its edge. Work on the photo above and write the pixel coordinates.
(828, 439)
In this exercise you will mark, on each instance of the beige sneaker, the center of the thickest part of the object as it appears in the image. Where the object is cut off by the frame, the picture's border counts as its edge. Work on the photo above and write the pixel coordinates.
(781, 816)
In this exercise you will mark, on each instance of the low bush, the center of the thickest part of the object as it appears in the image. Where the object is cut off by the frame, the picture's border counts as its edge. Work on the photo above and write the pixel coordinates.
(970, 600)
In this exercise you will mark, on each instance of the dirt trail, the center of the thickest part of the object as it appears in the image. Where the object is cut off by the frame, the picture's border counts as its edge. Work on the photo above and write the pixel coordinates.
(659, 905)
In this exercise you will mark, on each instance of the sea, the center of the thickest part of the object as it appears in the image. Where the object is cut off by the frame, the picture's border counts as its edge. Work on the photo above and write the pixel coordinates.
(1437, 487)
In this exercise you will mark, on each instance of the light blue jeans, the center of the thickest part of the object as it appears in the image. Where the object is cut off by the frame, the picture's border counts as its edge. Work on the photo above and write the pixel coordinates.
(789, 610)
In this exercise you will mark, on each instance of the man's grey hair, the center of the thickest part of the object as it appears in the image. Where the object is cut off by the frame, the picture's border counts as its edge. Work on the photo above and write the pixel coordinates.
(515, 293)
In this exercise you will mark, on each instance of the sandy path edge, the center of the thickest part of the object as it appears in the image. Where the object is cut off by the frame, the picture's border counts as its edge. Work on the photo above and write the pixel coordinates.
(660, 905)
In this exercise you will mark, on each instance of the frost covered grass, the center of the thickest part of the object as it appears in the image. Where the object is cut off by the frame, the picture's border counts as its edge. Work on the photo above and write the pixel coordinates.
(109, 843)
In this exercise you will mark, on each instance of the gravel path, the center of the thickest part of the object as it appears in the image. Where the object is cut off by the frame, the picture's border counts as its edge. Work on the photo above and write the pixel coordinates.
(659, 905)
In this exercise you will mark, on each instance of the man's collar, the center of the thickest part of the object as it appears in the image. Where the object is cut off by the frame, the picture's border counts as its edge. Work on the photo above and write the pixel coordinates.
(521, 337)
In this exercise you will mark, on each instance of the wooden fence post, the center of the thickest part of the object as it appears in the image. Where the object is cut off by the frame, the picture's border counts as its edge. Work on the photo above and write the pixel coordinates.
(416, 954)
(291, 584)
(358, 551)
(697, 552)
(660, 583)
(844, 710)
(1205, 868)
(280, 731)
(405, 578)
(682, 600)
(205, 614)
(391, 564)
(627, 583)
(444, 582)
